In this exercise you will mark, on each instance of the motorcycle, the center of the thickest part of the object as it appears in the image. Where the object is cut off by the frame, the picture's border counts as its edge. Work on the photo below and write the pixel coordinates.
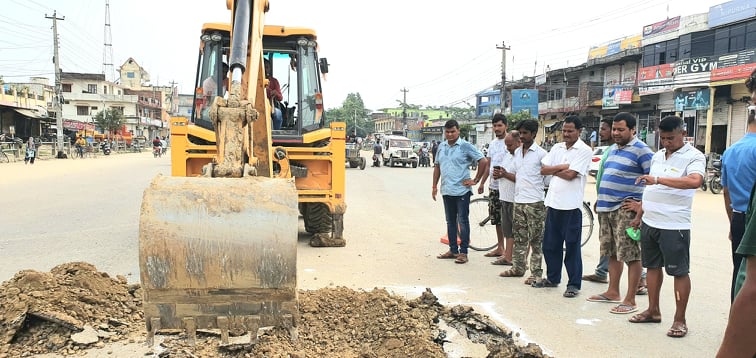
(712, 181)
(105, 148)
(424, 159)
(156, 152)
(715, 183)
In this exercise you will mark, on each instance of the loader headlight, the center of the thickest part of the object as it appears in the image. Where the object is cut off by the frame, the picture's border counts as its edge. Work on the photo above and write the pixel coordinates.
(302, 42)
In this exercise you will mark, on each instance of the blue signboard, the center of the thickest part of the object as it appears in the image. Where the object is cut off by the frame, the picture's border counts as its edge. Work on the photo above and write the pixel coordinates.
(525, 100)
(731, 11)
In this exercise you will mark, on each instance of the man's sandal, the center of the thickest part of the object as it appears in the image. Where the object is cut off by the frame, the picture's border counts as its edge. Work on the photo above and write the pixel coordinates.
(511, 273)
(447, 255)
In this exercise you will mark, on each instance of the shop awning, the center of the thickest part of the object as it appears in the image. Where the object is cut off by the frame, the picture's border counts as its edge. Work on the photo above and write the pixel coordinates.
(30, 113)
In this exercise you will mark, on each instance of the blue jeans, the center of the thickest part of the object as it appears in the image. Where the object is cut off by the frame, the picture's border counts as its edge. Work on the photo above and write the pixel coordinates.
(277, 118)
(457, 209)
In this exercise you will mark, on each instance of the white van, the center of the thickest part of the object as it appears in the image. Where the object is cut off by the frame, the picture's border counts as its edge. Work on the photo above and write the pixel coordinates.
(398, 149)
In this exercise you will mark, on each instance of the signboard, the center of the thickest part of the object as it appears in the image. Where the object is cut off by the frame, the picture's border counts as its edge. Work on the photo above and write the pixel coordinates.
(614, 47)
(731, 11)
(655, 79)
(734, 66)
(695, 65)
(692, 100)
(525, 101)
(77, 125)
(614, 96)
(540, 80)
(661, 27)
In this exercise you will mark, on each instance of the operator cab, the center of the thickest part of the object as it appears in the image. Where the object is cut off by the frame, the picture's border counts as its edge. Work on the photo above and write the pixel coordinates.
(292, 55)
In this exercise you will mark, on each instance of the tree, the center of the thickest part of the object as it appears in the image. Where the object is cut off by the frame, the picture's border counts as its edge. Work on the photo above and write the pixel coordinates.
(110, 120)
(513, 119)
(354, 114)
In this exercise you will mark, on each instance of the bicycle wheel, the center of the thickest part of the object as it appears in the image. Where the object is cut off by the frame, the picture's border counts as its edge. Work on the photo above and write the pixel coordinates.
(587, 223)
(4, 158)
(482, 233)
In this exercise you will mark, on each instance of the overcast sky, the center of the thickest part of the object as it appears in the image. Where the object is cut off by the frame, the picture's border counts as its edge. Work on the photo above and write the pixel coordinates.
(442, 51)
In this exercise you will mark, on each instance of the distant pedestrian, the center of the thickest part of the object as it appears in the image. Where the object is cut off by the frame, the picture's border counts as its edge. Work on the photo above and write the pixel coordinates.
(434, 149)
(31, 151)
(452, 164)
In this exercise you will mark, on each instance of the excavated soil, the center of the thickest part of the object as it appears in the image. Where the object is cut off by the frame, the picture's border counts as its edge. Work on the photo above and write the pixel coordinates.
(74, 308)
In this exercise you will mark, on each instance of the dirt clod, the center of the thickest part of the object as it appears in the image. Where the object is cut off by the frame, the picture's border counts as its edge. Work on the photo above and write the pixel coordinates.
(74, 308)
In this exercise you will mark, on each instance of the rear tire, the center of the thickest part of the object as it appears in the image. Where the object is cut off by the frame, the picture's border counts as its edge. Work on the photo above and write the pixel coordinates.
(715, 185)
(353, 164)
(704, 185)
(482, 233)
(362, 163)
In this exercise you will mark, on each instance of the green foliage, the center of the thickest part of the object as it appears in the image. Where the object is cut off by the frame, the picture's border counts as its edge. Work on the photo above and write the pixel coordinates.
(464, 131)
(353, 113)
(110, 120)
(513, 119)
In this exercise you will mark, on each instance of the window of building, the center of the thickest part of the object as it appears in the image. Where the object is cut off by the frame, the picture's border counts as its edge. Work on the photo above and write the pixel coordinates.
(684, 49)
(92, 109)
(129, 74)
(672, 48)
(737, 38)
(82, 110)
(92, 88)
(105, 89)
(118, 108)
(65, 87)
(721, 40)
(702, 44)
(751, 34)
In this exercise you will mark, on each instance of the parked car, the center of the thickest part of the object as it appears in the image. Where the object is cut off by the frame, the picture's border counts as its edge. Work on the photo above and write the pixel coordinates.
(598, 152)
(398, 150)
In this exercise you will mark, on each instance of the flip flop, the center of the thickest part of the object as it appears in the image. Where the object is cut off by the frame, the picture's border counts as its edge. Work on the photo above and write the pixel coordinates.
(678, 331)
(644, 318)
(623, 309)
(601, 298)
(642, 290)
(491, 254)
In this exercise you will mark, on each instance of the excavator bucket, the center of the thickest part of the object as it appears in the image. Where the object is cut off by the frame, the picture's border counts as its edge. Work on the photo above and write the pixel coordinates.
(218, 254)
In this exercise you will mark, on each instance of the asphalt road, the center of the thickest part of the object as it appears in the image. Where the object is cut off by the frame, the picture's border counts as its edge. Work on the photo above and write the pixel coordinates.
(87, 210)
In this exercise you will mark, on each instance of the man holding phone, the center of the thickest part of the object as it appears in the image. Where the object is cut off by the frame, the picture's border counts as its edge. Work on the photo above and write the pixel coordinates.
(496, 152)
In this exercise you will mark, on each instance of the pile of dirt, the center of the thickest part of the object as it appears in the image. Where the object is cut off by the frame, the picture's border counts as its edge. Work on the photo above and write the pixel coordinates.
(74, 308)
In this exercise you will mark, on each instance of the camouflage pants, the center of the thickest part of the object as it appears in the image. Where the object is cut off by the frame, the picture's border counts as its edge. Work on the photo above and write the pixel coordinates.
(528, 221)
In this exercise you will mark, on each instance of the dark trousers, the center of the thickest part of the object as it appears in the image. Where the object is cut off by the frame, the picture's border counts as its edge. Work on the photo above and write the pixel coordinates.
(457, 209)
(737, 229)
(563, 230)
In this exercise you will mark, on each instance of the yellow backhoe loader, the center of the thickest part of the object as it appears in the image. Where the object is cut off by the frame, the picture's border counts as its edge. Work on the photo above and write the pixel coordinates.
(218, 238)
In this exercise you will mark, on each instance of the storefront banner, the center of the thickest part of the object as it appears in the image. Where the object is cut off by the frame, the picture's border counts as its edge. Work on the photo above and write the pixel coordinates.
(734, 66)
(692, 100)
(525, 101)
(695, 65)
(614, 96)
(655, 79)
(77, 125)
(661, 27)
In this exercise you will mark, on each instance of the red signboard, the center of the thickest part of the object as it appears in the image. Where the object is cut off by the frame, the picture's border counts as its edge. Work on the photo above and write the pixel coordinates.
(656, 72)
(732, 73)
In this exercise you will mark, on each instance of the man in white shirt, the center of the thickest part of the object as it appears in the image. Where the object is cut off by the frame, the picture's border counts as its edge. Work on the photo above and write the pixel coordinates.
(676, 173)
(568, 163)
(529, 212)
(495, 154)
(506, 194)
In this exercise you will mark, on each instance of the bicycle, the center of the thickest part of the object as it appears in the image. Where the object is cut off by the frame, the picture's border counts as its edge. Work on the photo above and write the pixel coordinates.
(484, 234)
(4, 157)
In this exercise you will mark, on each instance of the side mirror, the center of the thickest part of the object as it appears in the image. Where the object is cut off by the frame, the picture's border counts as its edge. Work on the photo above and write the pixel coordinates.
(324, 65)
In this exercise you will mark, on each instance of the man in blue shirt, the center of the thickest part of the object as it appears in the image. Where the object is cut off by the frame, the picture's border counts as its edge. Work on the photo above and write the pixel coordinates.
(452, 168)
(738, 177)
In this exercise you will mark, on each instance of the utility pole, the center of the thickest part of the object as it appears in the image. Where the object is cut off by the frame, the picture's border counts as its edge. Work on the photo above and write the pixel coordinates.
(404, 109)
(503, 49)
(58, 102)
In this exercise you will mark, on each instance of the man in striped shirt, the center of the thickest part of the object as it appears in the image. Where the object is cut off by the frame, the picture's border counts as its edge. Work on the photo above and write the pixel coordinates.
(676, 173)
(627, 161)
